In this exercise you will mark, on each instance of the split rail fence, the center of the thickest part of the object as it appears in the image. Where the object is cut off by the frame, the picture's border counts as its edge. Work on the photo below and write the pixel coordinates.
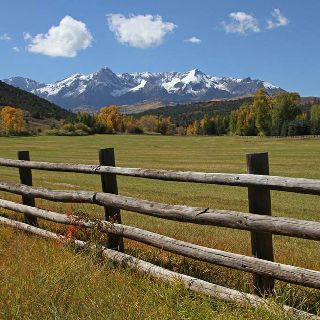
(258, 221)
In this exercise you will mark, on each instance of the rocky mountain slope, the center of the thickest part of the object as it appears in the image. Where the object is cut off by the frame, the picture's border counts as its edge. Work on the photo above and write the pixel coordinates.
(104, 87)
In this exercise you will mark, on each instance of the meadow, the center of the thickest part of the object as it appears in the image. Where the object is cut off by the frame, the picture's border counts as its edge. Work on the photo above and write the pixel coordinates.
(42, 280)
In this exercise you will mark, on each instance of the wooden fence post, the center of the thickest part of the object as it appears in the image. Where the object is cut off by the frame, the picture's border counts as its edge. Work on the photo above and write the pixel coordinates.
(260, 203)
(109, 185)
(26, 178)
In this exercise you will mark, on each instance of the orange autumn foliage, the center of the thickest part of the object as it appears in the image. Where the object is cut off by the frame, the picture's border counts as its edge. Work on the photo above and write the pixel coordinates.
(112, 118)
(12, 120)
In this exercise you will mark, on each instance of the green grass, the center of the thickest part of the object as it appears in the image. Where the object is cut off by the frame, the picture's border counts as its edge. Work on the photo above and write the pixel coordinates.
(71, 285)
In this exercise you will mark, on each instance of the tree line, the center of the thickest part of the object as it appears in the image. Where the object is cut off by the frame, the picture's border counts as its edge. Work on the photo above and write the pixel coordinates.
(109, 120)
(279, 115)
(184, 114)
(262, 115)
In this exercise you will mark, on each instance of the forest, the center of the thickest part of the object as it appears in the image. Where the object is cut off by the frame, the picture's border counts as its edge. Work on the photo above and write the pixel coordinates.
(262, 115)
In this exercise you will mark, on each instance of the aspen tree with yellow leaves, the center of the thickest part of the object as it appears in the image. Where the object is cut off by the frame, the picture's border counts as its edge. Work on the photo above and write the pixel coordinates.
(112, 118)
(12, 121)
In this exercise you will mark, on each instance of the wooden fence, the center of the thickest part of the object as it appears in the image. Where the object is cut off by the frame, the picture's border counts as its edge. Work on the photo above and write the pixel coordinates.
(258, 221)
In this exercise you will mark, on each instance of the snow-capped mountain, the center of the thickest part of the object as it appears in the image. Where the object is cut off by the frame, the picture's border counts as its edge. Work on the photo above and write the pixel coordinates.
(105, 87)
(24, 83)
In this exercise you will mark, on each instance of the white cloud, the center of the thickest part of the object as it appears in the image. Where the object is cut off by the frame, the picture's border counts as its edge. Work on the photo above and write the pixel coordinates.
(5, 37)
(280, 20)
(64, 40)
(26, 36)
(140, 31)
(194, 40)
(241, 23)
(16, 49)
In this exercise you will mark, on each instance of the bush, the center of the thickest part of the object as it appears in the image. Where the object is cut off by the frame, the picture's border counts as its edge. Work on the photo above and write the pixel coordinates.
(298, 128)
(82, 127)
(134, 129)
(62, 132)
(80, 132)
(101, 128)
(16, 134)
(68, 127)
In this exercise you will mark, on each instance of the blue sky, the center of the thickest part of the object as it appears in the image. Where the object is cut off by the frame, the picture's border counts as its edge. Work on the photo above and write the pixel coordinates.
(276, 41)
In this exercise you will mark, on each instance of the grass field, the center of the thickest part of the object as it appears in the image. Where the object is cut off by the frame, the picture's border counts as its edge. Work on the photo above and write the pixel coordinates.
(42, 280)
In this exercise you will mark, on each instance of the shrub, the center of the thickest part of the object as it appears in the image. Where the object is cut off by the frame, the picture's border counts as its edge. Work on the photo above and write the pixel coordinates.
(68, 127)
(134, 129)
(82, 127)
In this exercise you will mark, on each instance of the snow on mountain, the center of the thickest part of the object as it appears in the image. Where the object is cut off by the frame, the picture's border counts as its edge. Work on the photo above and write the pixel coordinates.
(74, 85)
(139, 86)
(105, 87)
(24, 83)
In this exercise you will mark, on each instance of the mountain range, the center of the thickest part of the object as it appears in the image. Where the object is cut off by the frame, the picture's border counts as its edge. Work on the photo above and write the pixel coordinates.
(33, 105)
(104, 87)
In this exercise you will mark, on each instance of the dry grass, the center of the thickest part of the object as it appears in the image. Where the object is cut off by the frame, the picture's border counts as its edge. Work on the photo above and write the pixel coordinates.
(122, 293)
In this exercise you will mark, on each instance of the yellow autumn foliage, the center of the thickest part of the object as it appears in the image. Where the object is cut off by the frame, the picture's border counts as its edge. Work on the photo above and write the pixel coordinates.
(12, 120)
(111, 117)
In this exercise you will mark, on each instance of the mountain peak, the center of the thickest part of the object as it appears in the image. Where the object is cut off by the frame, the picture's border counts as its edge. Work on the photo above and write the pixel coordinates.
(105, 87)
(105, 76)
(196, 72)
(24, 83)
(105, 70)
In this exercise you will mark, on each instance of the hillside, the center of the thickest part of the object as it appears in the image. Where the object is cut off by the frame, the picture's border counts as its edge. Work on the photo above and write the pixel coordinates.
(34, 106)
(183, 114)
(140, 107)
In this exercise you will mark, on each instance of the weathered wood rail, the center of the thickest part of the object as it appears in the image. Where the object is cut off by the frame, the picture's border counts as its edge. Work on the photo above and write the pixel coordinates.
(223, 218)
(298, 185)
(191, 283)
(278, 271)
(259, 221)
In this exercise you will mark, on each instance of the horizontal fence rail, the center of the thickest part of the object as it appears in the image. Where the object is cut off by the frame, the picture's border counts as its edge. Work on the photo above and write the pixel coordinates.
(260, 222)
(191, 283)
(230, 219)
(298, 185)
(301, 276)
